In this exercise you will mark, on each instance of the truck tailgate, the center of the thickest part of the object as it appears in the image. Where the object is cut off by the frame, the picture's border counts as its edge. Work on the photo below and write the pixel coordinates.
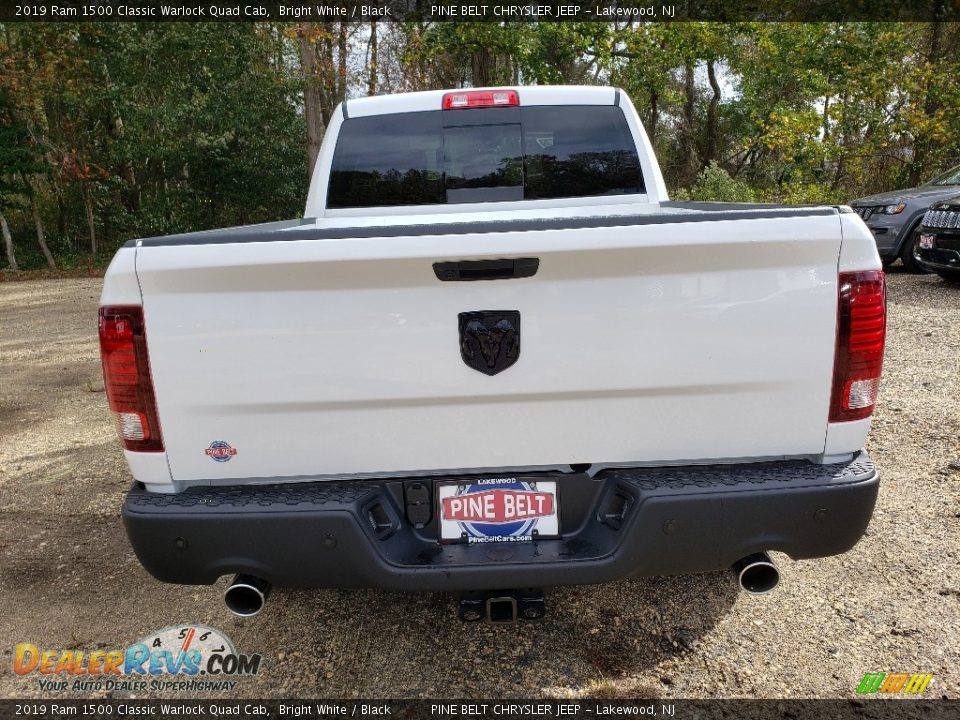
(640, 343)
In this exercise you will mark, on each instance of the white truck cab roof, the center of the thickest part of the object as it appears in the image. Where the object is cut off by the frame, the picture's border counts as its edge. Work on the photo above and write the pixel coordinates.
(560, 95)
(432, 99)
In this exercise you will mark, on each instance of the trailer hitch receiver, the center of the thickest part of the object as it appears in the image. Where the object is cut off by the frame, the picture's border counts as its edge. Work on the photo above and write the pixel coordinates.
(503, 607)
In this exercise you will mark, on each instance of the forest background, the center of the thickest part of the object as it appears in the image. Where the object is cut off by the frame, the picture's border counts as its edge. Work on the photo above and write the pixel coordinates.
(112, 131)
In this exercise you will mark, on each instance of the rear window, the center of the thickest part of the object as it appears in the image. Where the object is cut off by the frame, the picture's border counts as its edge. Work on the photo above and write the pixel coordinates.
(483, 155)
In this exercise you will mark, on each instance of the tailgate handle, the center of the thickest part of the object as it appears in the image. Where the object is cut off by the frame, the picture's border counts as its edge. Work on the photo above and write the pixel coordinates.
(462, 270)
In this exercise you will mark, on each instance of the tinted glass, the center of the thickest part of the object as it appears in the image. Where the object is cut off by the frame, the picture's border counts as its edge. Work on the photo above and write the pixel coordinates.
(950, 177)
(388, 160)
(483, 163)
(578, 152)
(484, 155)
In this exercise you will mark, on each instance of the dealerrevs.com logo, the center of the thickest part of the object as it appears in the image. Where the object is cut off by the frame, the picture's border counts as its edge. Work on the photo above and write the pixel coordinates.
(187, 658)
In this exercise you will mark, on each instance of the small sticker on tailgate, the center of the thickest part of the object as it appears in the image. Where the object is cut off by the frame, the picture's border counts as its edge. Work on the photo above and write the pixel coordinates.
(505, 509)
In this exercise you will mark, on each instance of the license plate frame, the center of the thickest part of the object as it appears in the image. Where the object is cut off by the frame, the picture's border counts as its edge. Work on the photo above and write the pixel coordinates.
(520, 513)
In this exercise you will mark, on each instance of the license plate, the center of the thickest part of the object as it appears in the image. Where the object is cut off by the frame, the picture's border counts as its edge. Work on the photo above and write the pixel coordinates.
(502, 509)
(926, 242)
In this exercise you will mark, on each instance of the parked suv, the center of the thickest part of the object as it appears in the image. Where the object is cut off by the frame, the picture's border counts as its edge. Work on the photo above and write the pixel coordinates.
(940, 239)
(894, 217)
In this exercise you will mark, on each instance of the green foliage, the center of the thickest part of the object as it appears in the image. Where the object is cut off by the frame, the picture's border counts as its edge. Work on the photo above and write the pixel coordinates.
(159, 128)
(803, 193)
(163, 128)
(18, 154)
(715, 184)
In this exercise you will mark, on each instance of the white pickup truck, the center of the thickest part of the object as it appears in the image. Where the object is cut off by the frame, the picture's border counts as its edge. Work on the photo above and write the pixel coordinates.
(493, 355)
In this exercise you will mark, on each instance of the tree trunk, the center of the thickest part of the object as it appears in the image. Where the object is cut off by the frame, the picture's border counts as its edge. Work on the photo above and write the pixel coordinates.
(826, 118)
(372, 61)
(8, 243)
(712, 131)
(88, 210)
(342, 51)
(689, 94)
(923, 146)
(654, 116)
(841, 141)
(62, 216)
(826, 132)
(692, 161)
(327, 72)
(482, 67)
(936, 33)
(840, 171)
(41, 236)
(311, 95)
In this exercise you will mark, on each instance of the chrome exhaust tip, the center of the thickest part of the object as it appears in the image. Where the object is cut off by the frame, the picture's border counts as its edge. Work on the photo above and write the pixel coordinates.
(246, 595)
(757, 573)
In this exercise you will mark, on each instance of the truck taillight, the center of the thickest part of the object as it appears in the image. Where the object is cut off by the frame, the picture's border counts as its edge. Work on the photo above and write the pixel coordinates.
(126, 377)
(861, 334)
(480, 98)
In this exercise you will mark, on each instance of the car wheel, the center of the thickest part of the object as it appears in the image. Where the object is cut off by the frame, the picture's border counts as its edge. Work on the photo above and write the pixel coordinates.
(951, 276)
(910, 254)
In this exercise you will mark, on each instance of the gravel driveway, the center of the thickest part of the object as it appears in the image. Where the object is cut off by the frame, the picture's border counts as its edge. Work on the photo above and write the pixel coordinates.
(68, 578)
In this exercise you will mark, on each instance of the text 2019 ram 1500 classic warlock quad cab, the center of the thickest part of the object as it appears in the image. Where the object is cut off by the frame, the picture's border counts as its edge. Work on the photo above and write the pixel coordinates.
(493, 357)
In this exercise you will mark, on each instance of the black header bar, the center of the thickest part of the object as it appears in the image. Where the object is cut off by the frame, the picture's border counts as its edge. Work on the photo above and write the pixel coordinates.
(620, 11)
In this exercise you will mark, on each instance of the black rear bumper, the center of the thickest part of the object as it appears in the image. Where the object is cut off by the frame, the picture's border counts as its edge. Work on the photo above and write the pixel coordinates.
(620, 523)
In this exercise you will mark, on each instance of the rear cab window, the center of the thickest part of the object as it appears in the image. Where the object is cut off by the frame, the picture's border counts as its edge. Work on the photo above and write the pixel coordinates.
(480, 155)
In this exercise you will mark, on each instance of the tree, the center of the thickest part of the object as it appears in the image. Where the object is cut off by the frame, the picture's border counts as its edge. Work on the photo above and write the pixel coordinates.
(19, 160)
(8, 243)
(323, 63)
(312, 92)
